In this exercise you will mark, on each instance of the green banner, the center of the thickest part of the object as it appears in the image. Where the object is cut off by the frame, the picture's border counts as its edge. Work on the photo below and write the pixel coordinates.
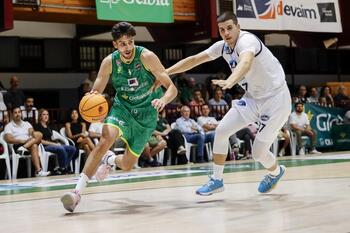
(150, 11)
(322, 119)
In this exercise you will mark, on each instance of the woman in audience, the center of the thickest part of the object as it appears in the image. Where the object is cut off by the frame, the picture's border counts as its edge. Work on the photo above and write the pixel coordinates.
(76, 130)
(64, 153)
(326, 93)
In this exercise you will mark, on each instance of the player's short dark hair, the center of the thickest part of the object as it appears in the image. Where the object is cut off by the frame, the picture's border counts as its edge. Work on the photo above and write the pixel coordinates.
(227, 15)
(121, 29)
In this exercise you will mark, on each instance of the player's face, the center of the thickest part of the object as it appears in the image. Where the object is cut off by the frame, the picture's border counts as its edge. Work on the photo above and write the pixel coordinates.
(125, 46)
(229, 31)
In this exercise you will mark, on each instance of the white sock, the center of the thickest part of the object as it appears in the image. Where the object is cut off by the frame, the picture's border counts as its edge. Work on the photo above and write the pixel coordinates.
(82, 182)
(276, 172)
(111, 160)
(218, 171)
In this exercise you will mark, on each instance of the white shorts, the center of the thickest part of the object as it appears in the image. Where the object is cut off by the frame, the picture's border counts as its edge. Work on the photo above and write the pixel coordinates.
(269, 113)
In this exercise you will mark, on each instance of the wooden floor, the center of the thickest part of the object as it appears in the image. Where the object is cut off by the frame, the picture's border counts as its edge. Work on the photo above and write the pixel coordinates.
(313, 196)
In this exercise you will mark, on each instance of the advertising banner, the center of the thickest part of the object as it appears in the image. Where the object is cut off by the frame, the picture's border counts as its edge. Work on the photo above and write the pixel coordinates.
(149, 11)
(295, 15)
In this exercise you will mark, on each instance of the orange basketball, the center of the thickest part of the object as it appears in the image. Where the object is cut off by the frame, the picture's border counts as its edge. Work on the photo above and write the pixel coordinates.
(93, 108)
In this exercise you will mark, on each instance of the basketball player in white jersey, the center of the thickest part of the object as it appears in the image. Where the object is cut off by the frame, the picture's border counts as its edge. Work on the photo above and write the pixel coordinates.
(267, 98)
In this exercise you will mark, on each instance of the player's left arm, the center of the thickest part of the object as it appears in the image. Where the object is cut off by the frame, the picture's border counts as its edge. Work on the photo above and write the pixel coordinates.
(153, 64)
(243, 66)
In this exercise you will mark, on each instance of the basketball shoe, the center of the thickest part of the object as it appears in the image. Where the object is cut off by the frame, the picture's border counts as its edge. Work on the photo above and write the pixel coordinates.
(70, 200)
(270, 181)
(213, 186)
(104, 169)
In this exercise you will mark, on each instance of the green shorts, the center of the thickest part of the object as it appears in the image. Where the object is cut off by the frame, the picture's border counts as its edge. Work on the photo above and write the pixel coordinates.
(135, 126)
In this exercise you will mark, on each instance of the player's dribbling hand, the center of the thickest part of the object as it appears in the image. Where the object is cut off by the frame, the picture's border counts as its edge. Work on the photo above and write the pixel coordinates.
(224, 84)
(92, 92)
(158, 104)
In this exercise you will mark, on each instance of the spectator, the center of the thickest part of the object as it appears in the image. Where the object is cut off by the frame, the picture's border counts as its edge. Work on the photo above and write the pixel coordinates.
(14, 96)
(218, 105)
(346, 119)
(313, 98)
(4, 118)
(301, 95)
(64, 153)
(196, 103)
(186, 91)
(91, 79)
(29, 112)
(174, 140)
(76, 130)
(192, 131)
(323, 102)
(24, 139)
(284, 135)
(341, 99)
(208, 123)
(155, 144)
(300, 124)
(326, 93)
(247, 136)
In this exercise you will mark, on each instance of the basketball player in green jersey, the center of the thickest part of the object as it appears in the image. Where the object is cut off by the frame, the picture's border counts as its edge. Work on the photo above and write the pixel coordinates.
(136, 75)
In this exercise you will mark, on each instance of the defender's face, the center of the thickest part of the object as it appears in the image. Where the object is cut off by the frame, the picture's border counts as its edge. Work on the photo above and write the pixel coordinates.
(125, 46)
(229, 31)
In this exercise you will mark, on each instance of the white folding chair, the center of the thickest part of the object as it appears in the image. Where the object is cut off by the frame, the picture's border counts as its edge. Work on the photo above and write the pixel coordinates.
(293, 142)
(6, 156)
(80, 152)
(15, 158)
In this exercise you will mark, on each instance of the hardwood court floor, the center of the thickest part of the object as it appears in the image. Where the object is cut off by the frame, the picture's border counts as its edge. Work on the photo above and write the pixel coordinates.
(313, 196)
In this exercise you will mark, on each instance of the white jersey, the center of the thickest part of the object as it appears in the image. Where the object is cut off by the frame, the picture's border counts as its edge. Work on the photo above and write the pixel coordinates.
(265, 77)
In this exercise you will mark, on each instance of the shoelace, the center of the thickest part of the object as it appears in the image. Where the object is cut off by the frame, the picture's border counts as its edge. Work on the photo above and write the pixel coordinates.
(267, 180)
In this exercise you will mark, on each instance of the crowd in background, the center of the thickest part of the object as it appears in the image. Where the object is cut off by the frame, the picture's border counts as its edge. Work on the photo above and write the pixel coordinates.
(192, 117)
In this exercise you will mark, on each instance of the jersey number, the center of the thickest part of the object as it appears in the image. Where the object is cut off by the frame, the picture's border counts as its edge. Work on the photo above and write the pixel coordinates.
(245, 86)
(261, 127)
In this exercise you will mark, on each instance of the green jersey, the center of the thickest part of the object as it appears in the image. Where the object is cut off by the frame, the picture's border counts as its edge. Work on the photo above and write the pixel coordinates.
(133, 82)
(132, 112)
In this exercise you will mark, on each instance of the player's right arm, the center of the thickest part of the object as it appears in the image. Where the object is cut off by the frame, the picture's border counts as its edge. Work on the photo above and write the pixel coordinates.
(188, 63)
(103, 75)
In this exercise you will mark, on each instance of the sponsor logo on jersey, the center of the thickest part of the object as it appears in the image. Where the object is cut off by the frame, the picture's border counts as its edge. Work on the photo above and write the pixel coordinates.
(133, 82)
(264, 117)
(241, 103)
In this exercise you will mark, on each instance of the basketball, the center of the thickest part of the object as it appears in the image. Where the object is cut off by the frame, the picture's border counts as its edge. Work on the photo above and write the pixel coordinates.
(93, 108)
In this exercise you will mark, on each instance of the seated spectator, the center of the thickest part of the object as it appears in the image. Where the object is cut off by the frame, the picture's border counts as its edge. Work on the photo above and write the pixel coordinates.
(174, 139)
(29, 112)
(76, 130)
(4, 118)
(323, 102)
(300, 124)
(64, 153)
(300, 97)
(326, 93)
(341, 99)
(218, 105)
(346, 119)
(313, 98)
(208, 123)
(247, 136)
(192, 131)
(14, 96)
(148, 158)
(24, 139)
(196, 103)
(285, 135)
